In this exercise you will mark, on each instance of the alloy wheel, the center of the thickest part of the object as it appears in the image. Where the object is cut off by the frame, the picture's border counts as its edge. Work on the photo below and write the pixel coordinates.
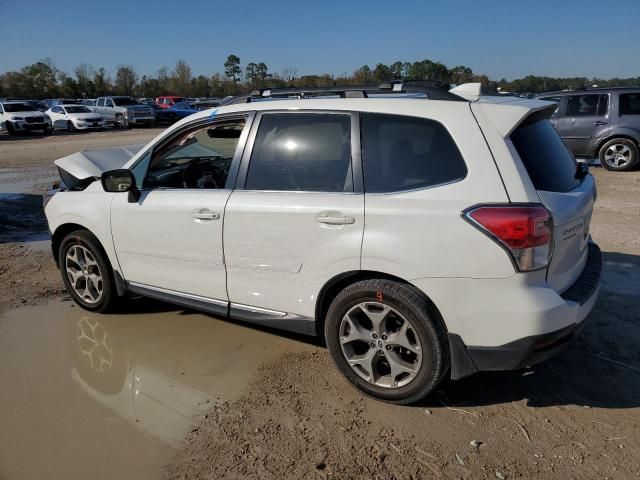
(84, 274)
(618, 155)
(380, 344)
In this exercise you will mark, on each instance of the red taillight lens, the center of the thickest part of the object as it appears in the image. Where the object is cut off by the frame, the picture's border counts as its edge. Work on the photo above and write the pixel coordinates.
(524, 230)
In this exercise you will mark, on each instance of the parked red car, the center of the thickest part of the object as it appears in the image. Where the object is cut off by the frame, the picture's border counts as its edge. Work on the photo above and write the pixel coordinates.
(167, 101)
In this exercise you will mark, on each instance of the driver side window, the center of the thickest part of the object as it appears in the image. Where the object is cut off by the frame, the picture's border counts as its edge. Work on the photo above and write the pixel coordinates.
(199, 157)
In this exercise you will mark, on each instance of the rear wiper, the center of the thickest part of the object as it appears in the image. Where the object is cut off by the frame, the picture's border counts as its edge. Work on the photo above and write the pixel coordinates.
(582, 170)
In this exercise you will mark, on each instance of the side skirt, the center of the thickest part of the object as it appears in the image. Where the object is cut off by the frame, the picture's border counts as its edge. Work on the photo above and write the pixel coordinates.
(244, 313)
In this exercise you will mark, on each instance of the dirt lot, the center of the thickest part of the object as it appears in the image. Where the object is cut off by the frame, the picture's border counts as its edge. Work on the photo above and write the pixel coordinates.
(576, 416)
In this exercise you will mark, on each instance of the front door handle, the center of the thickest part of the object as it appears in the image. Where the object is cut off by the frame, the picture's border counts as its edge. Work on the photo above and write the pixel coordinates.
(206, 215)
(599, 123)
(331, 220)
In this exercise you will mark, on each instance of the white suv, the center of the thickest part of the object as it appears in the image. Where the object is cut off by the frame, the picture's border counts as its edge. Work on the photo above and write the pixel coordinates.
(420, 234)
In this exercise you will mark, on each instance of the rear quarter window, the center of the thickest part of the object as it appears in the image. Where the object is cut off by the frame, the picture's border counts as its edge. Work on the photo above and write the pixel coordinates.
(406, 153)
(550, 164)
(630, 104)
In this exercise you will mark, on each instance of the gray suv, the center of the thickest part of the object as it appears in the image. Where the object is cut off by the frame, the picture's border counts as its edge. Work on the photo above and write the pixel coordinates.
(600, 122)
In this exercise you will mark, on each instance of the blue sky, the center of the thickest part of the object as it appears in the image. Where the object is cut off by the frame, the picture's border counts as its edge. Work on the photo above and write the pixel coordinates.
(500, 38)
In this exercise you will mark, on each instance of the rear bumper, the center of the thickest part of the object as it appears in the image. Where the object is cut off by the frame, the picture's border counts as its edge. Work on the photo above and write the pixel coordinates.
(579, 298)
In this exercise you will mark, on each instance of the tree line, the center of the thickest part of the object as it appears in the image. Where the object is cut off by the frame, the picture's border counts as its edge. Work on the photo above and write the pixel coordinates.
(43, 80)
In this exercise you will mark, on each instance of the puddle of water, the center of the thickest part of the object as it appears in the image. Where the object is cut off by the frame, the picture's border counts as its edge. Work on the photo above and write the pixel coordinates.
(110, 396)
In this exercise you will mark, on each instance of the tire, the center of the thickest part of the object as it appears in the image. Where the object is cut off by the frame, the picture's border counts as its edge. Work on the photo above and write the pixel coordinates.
(70, 126)
(47, 131)
(10, 129)
(425, 333)
(120, 121)
(619, 155)
(99, 295)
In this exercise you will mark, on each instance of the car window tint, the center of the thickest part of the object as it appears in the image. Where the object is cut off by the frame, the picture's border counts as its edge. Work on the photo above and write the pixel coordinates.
(550, 164)
(197, 158)
(582, 105)
(630, 104)
(303, 152)
(405, 153)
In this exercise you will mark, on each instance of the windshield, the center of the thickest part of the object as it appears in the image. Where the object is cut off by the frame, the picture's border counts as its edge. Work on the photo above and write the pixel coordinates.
(77, 109)
(125, 101)
(18, 107)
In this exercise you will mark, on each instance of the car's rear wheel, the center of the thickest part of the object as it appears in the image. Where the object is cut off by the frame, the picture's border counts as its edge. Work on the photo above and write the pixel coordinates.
(386, 339)
(86, 271)
(619, 154)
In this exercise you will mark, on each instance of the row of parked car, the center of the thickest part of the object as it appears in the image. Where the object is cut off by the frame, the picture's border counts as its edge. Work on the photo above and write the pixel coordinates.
(87, 114)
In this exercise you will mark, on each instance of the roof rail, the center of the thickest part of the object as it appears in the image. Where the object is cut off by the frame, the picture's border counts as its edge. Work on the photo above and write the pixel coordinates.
(349, 91)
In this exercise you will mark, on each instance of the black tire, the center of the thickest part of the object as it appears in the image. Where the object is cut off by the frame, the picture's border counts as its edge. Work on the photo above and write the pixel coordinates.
(427, 325)
(623, 145)
(10, 129)
(70, 126)
(120, 122)
(87, 240)
(47, 131)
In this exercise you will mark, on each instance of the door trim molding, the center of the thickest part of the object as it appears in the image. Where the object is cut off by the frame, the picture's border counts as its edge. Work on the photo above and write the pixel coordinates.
(236, 311)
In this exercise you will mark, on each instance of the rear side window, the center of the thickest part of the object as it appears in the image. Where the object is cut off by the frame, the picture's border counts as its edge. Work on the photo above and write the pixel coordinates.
(630, 104)
(587, 105)
(405, 153)
(550, 164)
(302, 152)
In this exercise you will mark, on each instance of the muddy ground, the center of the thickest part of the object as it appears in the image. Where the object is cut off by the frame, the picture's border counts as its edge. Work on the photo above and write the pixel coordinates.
(576, 416)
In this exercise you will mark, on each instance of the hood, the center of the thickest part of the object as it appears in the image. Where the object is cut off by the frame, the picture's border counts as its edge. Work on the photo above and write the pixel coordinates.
(82, 116)
(91, 163)
(25, 114)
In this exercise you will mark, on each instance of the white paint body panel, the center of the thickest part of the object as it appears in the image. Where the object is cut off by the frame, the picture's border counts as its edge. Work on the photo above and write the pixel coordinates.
(279, 256)
(159, 242)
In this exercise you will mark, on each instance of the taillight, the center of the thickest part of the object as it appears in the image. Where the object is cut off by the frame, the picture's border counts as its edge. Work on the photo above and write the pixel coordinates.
(524, 231)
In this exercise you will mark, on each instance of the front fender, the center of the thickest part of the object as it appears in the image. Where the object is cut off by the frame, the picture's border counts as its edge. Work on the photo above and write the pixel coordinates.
(90, 209)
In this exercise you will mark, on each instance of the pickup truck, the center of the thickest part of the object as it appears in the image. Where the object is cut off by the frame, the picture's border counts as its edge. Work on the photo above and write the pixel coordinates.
(124, 112)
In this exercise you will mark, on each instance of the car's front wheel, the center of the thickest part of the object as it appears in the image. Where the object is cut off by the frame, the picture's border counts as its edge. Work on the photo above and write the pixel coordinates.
(70, 126)
(619, 154)
(386, 339)
(121, 122)
(86, 271)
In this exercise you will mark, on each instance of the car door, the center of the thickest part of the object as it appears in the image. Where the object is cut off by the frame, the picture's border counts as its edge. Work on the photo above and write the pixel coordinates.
(585, 119)
(296, 217)
(58, 117)
(169, 241)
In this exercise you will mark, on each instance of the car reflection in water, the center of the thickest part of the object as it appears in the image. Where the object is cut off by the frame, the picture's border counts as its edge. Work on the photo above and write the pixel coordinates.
(160, 371)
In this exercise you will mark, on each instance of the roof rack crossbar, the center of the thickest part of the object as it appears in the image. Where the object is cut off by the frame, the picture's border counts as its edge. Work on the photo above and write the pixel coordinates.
(350, 91)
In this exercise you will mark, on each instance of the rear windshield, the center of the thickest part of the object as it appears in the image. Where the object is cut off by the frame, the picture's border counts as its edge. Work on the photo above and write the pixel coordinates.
(550, 164)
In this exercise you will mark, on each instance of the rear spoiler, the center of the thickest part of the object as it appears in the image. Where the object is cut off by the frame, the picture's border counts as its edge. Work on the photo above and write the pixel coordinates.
(507, 113)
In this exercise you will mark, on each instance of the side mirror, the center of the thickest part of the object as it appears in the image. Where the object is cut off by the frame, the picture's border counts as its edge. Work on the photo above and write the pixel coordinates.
(121, 180)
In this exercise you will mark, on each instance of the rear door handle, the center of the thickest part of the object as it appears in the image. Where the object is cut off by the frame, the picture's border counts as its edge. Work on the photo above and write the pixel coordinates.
(206, 215)
(599, 123)
(330, 220)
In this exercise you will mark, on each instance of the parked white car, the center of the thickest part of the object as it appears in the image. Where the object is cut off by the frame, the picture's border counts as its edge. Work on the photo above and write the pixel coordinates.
(75, 117)
(422, 235)
(16, 116)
